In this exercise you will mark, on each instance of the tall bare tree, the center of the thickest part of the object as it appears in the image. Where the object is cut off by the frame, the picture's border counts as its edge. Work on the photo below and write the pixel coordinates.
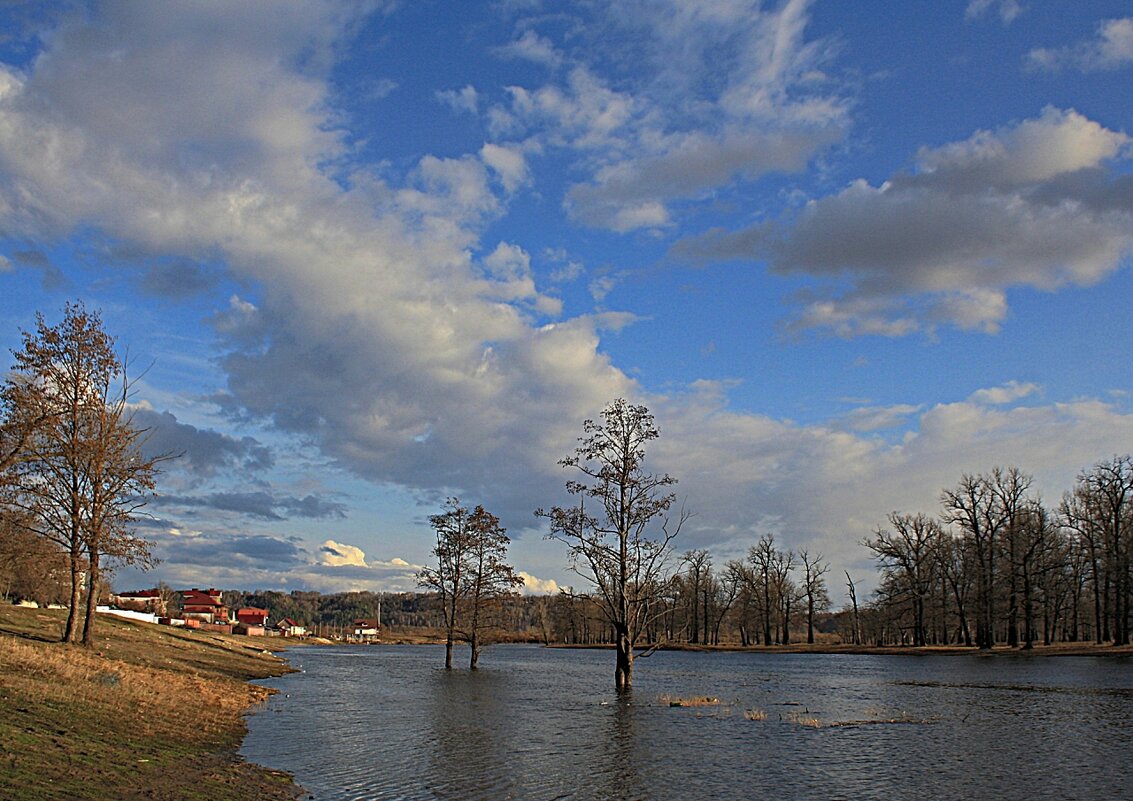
(906, 555)
(814, 588)
(619, 535)
(697, 579)
(491, 579)
(80, 478)
(449, 579)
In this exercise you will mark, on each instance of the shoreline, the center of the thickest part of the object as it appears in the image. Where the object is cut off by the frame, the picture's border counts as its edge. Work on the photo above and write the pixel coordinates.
(150, 712)
(1045, 651)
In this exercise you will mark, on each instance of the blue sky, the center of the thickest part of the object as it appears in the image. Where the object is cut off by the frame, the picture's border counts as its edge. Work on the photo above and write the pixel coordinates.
(364, 256)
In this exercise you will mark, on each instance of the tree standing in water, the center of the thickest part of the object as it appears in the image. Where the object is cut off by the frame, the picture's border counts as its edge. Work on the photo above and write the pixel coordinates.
(491, 578)
(449, 578)
(610, 535)
(471, 576)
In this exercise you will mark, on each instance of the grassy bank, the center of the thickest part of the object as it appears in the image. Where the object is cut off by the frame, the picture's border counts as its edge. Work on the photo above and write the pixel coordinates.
(151, 712)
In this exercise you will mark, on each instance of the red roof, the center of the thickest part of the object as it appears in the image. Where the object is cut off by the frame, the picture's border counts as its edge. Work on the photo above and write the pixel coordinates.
(251, 614)
(140, 594)
(201, 598)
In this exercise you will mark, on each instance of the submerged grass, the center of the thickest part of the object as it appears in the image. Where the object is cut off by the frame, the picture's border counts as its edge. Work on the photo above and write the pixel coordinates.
(149, 712)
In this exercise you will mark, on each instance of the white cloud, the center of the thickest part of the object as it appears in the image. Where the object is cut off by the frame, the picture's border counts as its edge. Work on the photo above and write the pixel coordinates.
(509, 163)
(1111, 49)
(336, 554)
(1006, 10)
(532, 47)
(532, 585)
(680, 129)
(1035, 204)
(465, 100)
(1007, 393)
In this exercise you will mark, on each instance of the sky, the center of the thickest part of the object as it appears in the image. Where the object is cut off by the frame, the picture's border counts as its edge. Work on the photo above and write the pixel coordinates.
(364, 256)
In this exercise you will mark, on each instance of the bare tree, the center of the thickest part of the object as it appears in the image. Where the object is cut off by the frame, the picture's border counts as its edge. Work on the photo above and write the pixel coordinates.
(472, 576)
(449, 579)
(775, 592)
(907, 560)
(857, 622)
(80, 478)
(615, 544)
(814, 589)
(697, 579)
(1101, 510)
(985, 508)
(491, 579)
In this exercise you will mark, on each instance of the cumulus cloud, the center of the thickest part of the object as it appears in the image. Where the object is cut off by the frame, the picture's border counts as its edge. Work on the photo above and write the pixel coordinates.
(338, 555)
(509, 163)
(1037, 204)
(532, 585)
(1110, 49)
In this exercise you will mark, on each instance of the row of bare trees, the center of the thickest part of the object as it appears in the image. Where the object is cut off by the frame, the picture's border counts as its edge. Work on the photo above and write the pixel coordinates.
(998, 566)
(73, 477)
(768, 598)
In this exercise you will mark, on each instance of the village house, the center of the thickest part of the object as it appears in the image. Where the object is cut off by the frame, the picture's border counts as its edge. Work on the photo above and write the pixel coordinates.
(150, 601)
(206, 608)
(289, 628)
(251, 621)
(365, 629)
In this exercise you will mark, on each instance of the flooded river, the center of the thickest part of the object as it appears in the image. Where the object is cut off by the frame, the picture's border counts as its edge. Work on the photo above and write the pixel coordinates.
(385, 722)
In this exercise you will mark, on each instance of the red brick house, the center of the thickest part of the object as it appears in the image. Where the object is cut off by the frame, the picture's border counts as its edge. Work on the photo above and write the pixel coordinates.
(204, 606)
(252, 616)
(251, 621)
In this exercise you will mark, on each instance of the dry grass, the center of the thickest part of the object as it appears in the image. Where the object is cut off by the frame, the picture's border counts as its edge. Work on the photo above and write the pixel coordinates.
(148, 713)
(695, 701)
(803, 720)
(755, 714)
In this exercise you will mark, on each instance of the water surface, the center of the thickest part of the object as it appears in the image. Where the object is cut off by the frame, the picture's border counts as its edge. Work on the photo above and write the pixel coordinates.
(387, 722)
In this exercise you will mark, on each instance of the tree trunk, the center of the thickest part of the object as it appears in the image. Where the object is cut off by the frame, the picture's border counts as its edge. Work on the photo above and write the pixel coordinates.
(623, 673)
(474, 641)
(94, 577)
(70, 634)
(448, 652)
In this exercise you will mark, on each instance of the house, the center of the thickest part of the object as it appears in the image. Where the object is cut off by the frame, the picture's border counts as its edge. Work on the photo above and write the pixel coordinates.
(204, 606)
(149, 601)
(365, 629)
(252, 616)
(251, 621)
(289, 628)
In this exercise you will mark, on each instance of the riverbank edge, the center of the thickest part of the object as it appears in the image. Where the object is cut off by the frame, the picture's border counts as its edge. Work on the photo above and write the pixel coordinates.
(1055, 650)
(67, 736)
